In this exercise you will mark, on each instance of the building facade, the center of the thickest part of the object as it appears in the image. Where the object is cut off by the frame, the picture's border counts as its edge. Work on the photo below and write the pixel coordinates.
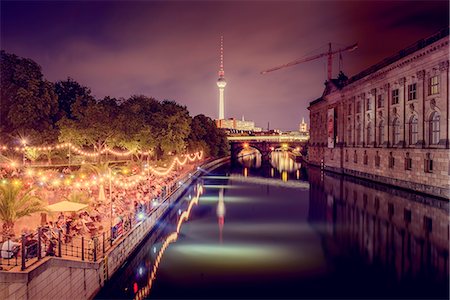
(239, 125)
(389, 123)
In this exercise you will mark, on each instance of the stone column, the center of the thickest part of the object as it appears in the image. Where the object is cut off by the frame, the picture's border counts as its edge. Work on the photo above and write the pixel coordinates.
(443, 67)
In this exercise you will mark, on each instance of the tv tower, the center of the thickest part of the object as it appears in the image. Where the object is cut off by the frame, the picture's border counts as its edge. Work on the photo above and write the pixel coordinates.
(221, 83)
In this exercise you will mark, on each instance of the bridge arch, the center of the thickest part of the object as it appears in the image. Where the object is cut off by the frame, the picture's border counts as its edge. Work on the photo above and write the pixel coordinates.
(264, 147)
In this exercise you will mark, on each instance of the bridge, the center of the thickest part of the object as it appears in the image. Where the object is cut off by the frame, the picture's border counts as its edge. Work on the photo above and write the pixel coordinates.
(265, 144)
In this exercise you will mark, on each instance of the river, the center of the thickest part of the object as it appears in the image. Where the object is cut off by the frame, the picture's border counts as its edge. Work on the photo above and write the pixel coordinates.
(282, 231)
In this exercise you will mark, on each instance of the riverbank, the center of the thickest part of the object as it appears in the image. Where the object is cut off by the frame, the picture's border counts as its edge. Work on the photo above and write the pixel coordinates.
(65, 278)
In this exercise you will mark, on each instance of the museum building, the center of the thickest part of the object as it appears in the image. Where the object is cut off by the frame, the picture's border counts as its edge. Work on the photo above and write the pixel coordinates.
(389, 123)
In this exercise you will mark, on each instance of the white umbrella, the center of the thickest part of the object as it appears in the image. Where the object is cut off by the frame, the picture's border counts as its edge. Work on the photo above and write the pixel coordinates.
(66, 206)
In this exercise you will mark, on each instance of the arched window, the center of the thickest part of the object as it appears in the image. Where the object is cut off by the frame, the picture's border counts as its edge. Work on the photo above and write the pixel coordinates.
(358, 134)
(349, 135)
(413, 130)
(434, 128)
(395, 131)
(381, 132)
(369, 133)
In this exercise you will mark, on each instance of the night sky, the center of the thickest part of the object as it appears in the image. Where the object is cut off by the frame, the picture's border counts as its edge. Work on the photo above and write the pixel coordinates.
(170, 50)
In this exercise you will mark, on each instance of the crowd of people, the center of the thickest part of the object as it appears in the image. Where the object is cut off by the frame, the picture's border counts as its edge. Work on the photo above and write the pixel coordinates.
(100, 214)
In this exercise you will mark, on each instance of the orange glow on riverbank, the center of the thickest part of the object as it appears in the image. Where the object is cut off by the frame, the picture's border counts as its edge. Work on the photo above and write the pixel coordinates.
(145, 291)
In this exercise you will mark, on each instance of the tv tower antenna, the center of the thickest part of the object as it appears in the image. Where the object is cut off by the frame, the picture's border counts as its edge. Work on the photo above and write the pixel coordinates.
(221, 83)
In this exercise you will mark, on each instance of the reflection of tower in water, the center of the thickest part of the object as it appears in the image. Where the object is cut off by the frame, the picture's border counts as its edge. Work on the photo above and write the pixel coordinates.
(220, 213)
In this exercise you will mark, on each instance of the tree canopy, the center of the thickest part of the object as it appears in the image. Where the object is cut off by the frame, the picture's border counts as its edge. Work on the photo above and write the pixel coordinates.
(28, 102)
(66, 111)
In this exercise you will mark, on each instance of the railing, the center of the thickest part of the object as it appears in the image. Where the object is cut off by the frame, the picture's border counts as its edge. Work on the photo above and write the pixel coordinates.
(45, 241)
(272, 138)
(9, 256)
(27, 251)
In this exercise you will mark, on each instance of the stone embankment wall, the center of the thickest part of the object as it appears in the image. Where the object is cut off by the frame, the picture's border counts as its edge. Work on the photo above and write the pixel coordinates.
(61, 278)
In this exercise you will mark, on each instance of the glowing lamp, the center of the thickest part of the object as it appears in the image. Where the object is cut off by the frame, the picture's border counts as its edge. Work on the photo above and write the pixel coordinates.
(141, 216)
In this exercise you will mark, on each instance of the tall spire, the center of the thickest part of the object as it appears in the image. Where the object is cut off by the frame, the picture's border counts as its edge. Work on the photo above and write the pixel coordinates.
(221, 83)
(221, 71)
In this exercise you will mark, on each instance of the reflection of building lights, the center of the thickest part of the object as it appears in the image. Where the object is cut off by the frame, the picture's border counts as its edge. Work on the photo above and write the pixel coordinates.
(245, 172)
(145, 290)
(284, 176)
(272, 172)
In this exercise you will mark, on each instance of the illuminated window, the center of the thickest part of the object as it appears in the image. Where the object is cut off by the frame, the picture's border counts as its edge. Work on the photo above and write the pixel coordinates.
(381, 133)
(395, 131)
(377, 159)
(408, 162)
(391, 160)
(358, 134)
(434, 128)
(369, 133)
(413, 130)
(349, 134)
(428, 164)
(433, 85)
(412, 94)
(395, 96)
(380, 101)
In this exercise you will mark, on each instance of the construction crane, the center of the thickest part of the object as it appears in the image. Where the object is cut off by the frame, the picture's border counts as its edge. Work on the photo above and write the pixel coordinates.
(330, 54)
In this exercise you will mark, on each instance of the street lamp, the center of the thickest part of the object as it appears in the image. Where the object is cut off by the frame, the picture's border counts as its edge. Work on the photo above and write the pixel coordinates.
(24, 143)
(110, 204)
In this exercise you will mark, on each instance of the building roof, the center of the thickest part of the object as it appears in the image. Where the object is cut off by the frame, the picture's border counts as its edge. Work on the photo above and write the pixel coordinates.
(315, 101)
(387, 61)
(401, 54)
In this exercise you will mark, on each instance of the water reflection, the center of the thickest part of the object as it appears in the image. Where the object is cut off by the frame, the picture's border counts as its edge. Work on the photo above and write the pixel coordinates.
(283, 162)
(342, 238)
(146, 263)
(403, 235)
(250, 158)
(220, 214)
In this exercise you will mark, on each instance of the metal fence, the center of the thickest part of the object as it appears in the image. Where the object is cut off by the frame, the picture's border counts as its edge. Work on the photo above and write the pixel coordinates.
(45, 241)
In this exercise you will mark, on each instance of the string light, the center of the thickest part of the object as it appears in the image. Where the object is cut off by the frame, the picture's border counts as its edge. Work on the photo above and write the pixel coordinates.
(83, 180)
(78, 150)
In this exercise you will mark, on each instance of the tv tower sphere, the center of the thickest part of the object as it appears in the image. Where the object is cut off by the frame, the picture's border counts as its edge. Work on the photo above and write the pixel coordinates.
(221, 82)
